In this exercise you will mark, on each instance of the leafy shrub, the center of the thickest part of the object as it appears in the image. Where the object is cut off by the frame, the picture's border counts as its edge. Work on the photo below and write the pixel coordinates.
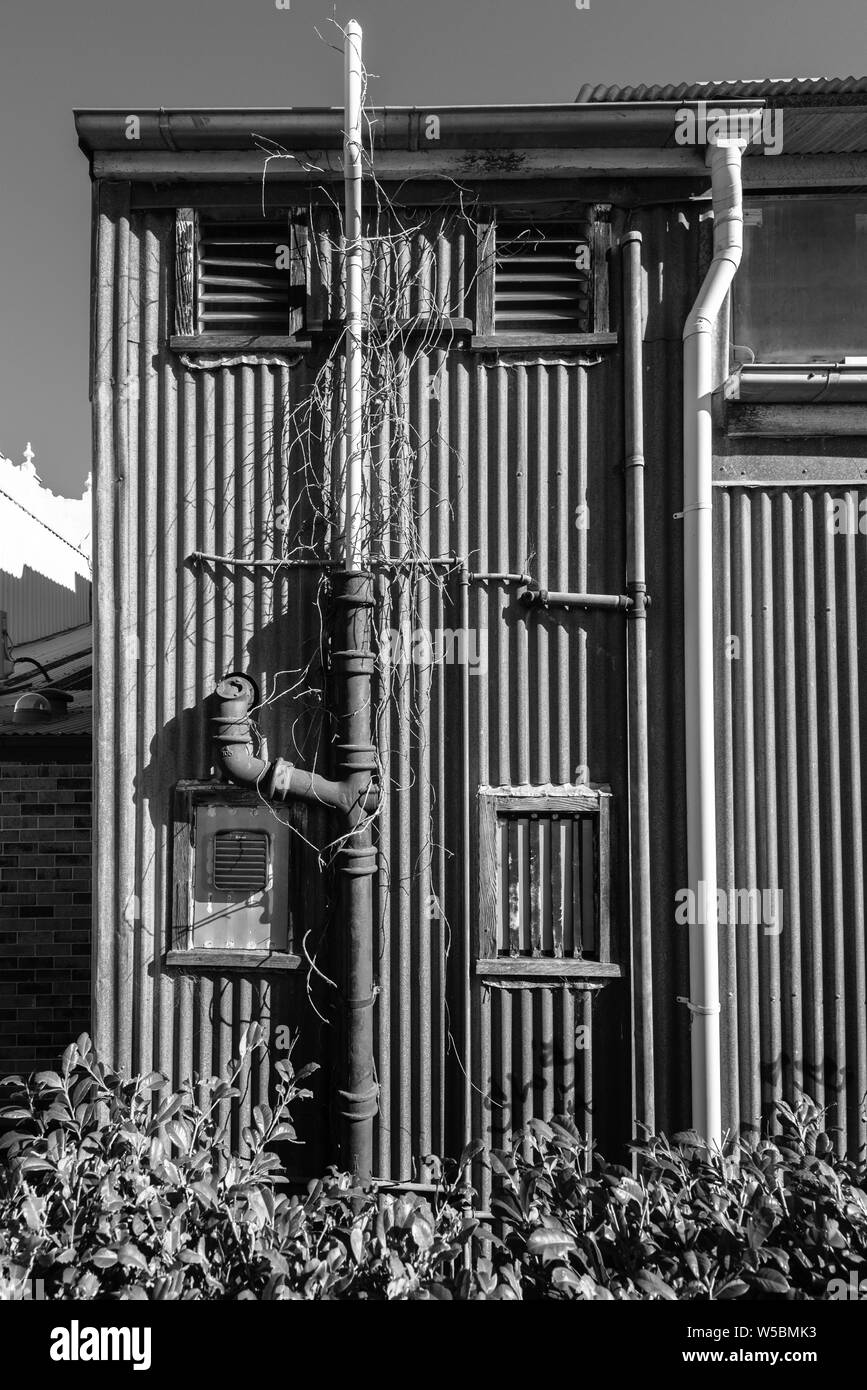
(776, 1219)
(109, 1192)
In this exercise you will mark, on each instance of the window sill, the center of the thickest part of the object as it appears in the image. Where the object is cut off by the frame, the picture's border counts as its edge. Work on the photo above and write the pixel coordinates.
(239, 342)
(548, 967)
(512, 342)
(248, 962)
(424, 325)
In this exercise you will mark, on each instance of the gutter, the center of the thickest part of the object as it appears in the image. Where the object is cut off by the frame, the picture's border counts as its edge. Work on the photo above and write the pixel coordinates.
(724, 158)
(623, 124)
(829, 382)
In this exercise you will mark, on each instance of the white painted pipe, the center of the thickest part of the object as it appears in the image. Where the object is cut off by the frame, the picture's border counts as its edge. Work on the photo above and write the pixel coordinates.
(724, 157)
(354, 538)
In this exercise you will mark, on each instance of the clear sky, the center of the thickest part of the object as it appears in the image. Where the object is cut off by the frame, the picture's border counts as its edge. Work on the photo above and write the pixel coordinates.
(59, 54)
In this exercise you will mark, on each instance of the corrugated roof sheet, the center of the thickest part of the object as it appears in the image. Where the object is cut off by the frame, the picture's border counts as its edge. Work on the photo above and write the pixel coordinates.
(68, 658)
(755, 88)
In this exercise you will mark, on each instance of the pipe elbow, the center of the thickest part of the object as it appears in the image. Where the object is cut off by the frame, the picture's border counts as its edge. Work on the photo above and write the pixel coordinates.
(240, 764)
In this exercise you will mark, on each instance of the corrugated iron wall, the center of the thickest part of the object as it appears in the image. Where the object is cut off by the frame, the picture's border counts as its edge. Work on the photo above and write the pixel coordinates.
(518, 468)
(511, 462)
(36, 606)
(791, 679)
(789, 699)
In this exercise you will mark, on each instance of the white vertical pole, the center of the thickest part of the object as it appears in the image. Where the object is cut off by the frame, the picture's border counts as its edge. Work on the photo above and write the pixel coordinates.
(354, 535)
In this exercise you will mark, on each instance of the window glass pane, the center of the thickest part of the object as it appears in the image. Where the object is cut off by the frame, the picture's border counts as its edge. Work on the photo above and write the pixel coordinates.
(801, 292)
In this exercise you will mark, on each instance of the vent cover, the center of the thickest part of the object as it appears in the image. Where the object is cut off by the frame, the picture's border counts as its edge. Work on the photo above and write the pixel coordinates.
(543, 278)
(241, 861)
(249, 278)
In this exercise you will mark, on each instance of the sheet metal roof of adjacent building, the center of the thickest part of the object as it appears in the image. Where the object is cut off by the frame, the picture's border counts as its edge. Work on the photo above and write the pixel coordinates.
(795, 90)
(822, 115)
(67, 658)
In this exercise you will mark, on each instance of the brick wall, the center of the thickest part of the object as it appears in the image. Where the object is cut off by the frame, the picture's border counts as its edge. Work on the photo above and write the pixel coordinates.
(45, 910)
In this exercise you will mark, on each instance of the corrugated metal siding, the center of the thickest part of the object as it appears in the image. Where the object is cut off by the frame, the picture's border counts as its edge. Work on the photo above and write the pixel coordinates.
(507, 454)
(790, 593)
(789, 754)
(506, 457)
(36, 606)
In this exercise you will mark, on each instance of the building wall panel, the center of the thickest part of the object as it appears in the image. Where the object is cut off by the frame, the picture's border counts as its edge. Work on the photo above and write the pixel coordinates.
(517, 468)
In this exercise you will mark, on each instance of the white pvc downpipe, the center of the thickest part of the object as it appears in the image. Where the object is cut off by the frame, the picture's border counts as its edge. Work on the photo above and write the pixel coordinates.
(724, 157)
(353, 498)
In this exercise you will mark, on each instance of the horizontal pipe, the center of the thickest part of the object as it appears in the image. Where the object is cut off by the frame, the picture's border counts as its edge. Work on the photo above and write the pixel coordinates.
(553, 598)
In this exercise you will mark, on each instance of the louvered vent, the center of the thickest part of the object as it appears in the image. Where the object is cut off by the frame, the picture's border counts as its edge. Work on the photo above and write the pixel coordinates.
(543, 279)
(547, 885)
(249, 278)
(241, 861)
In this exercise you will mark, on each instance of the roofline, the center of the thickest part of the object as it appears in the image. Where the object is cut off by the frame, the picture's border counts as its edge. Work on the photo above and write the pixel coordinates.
(551, 125)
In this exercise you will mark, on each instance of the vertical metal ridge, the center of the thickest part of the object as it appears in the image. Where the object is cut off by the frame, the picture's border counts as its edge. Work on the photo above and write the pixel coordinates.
(726, 657)
(402, 1154)
(147, 920)
(579, 425)
(835, 1018)
(502, 564)
(792, 965)
(422, 1043)
(767, 831)
(541, 513)
(460, 811)
(109, 258)
(856, 970)
(564, 542)
(164, 1053)
(745, 821)
(522, 633)
(386, 864)
(815, 1055)
(126, 995)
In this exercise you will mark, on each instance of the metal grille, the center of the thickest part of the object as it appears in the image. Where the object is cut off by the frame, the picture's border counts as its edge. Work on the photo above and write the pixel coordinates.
(244, 277)
(241, 861)
(547, 897)
(543, 280)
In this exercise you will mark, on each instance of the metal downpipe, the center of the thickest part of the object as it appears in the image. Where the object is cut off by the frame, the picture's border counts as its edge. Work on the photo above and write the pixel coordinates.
(644, 1113)
(724, 157)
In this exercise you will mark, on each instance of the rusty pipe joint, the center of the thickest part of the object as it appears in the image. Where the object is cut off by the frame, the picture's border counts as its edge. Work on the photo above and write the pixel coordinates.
(354, 795)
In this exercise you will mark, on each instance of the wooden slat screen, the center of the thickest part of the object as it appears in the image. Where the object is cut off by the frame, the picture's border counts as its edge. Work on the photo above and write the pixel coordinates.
(538, 285)
(547, 889)
(251, 277)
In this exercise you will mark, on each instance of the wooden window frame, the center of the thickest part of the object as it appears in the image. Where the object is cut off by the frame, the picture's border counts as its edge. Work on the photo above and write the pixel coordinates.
(187, 335)
(486, 338)
(575, 799)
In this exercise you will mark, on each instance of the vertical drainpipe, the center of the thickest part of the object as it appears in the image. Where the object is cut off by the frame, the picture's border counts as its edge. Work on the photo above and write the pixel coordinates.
(724, 158)
(353, 670)
(636, 637)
